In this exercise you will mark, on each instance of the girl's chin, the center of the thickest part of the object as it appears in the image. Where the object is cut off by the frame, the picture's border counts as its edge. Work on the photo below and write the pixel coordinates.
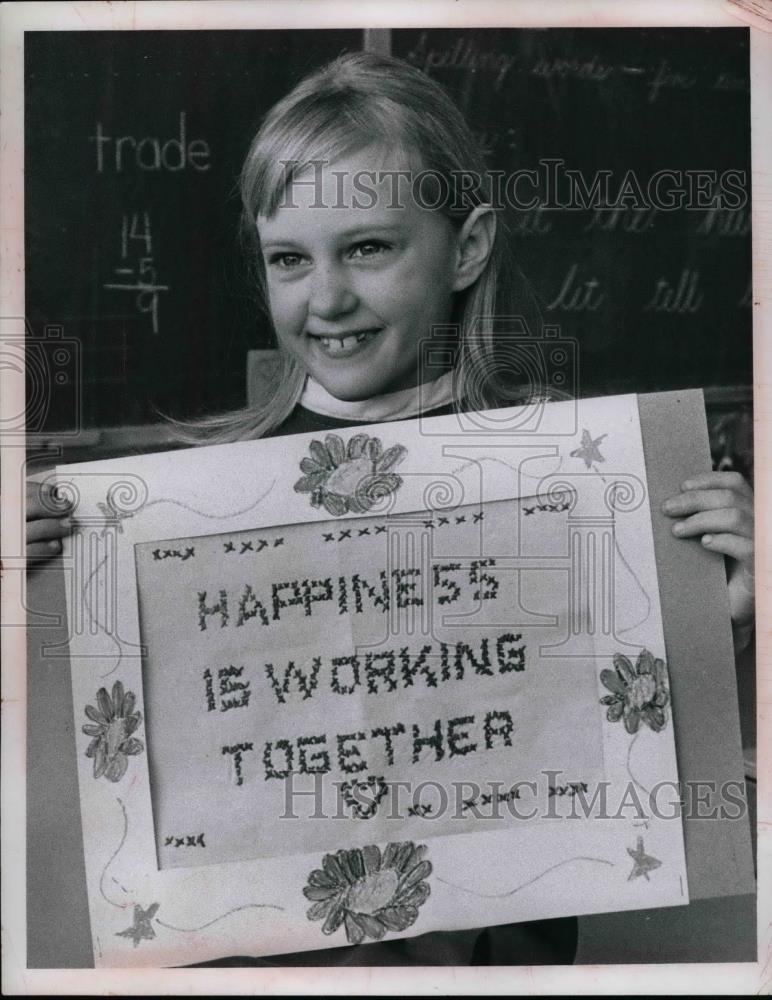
(350, 390)
(355, 386)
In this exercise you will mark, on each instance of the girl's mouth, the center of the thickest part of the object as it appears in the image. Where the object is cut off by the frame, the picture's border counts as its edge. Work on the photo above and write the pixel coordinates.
(344, 347)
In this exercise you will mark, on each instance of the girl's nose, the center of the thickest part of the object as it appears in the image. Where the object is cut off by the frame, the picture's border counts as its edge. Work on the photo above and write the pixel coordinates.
(331, 295)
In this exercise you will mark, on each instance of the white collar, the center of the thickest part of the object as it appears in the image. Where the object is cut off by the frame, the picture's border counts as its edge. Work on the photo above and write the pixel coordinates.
(391, 406)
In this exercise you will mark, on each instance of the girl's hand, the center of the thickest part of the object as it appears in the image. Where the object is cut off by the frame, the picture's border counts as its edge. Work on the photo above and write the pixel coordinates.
(719, 506)
(48, 521)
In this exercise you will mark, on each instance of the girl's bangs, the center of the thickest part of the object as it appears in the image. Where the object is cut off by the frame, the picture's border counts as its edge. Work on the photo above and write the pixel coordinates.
(281, 157)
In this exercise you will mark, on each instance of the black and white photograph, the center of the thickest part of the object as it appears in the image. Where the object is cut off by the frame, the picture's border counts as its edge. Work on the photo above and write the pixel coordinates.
(384, 466)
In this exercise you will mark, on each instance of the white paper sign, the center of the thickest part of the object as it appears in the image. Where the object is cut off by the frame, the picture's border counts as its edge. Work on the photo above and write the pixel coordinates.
(402, 678)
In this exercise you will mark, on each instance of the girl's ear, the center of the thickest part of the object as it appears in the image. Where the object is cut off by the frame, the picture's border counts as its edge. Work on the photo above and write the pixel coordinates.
(475, 243)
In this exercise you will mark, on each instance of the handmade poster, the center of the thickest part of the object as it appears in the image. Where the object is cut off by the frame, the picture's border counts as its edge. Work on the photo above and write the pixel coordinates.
(400, 678)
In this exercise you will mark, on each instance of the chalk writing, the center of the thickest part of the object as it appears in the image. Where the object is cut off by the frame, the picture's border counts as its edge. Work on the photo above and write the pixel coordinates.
(667, 78)
(141, 276)
(463, 55)
(531, 222)
(149, 153)
(725, 222)
(621, 219)
(728, 81)
(683, 298)
(576, 296)
(574, 69)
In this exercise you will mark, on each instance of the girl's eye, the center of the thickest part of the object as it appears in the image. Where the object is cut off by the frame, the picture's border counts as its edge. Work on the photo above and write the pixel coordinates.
(285, 261)
(369, 248)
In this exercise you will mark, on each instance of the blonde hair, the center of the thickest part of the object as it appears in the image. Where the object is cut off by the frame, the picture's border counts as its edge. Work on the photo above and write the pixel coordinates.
(336, 111)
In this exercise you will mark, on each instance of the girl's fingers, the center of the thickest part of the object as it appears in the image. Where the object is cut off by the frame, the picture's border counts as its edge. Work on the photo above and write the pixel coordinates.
(44, 502)
(696, 500)
(718, 481)
(731, 520)
(734, 546)
(48, 529)
(40, 551)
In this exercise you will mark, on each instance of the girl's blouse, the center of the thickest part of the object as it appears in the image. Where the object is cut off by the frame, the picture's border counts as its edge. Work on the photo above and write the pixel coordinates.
(540, 942)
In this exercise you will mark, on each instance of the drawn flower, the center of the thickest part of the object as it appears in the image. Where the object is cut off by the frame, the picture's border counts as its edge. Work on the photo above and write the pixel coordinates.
(368, 892)
(349, 478)
(637, 692)
(114, 721)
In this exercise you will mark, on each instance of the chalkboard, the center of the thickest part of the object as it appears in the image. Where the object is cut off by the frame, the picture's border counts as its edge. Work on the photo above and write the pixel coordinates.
(133, 146)
(134, 141)
(655, 299)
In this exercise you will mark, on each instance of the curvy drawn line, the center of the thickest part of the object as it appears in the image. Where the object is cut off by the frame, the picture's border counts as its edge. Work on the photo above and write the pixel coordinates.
(512, 468)
(632, 573)
(634, 780)
(120, 906)
(87, 602)
(236, 909)
(511, 892)
(212, 517)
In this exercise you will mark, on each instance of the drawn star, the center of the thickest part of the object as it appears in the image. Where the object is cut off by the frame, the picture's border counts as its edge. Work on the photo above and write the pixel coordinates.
(588, 451)
(141, 927)
(644, 863)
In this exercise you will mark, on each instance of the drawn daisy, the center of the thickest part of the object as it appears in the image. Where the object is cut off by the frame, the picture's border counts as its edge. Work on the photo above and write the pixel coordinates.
(637, 692)
(349, 478)
(114, 721)
(368, 892)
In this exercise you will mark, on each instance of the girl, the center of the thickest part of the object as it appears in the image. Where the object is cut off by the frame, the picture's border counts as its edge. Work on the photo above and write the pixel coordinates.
(369, 214)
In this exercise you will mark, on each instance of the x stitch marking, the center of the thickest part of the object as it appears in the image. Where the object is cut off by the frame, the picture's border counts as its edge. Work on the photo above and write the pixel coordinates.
(477, 517)
(346, 533)
(380, 528)
(278, 541)
(461, 519)
(229, 547)
(262, 544)
(246, 546)
(444, 520)
(328, 536)
(363, 531)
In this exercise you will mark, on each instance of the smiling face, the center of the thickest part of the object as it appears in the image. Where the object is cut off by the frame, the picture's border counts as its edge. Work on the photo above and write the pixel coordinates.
(353, 290)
